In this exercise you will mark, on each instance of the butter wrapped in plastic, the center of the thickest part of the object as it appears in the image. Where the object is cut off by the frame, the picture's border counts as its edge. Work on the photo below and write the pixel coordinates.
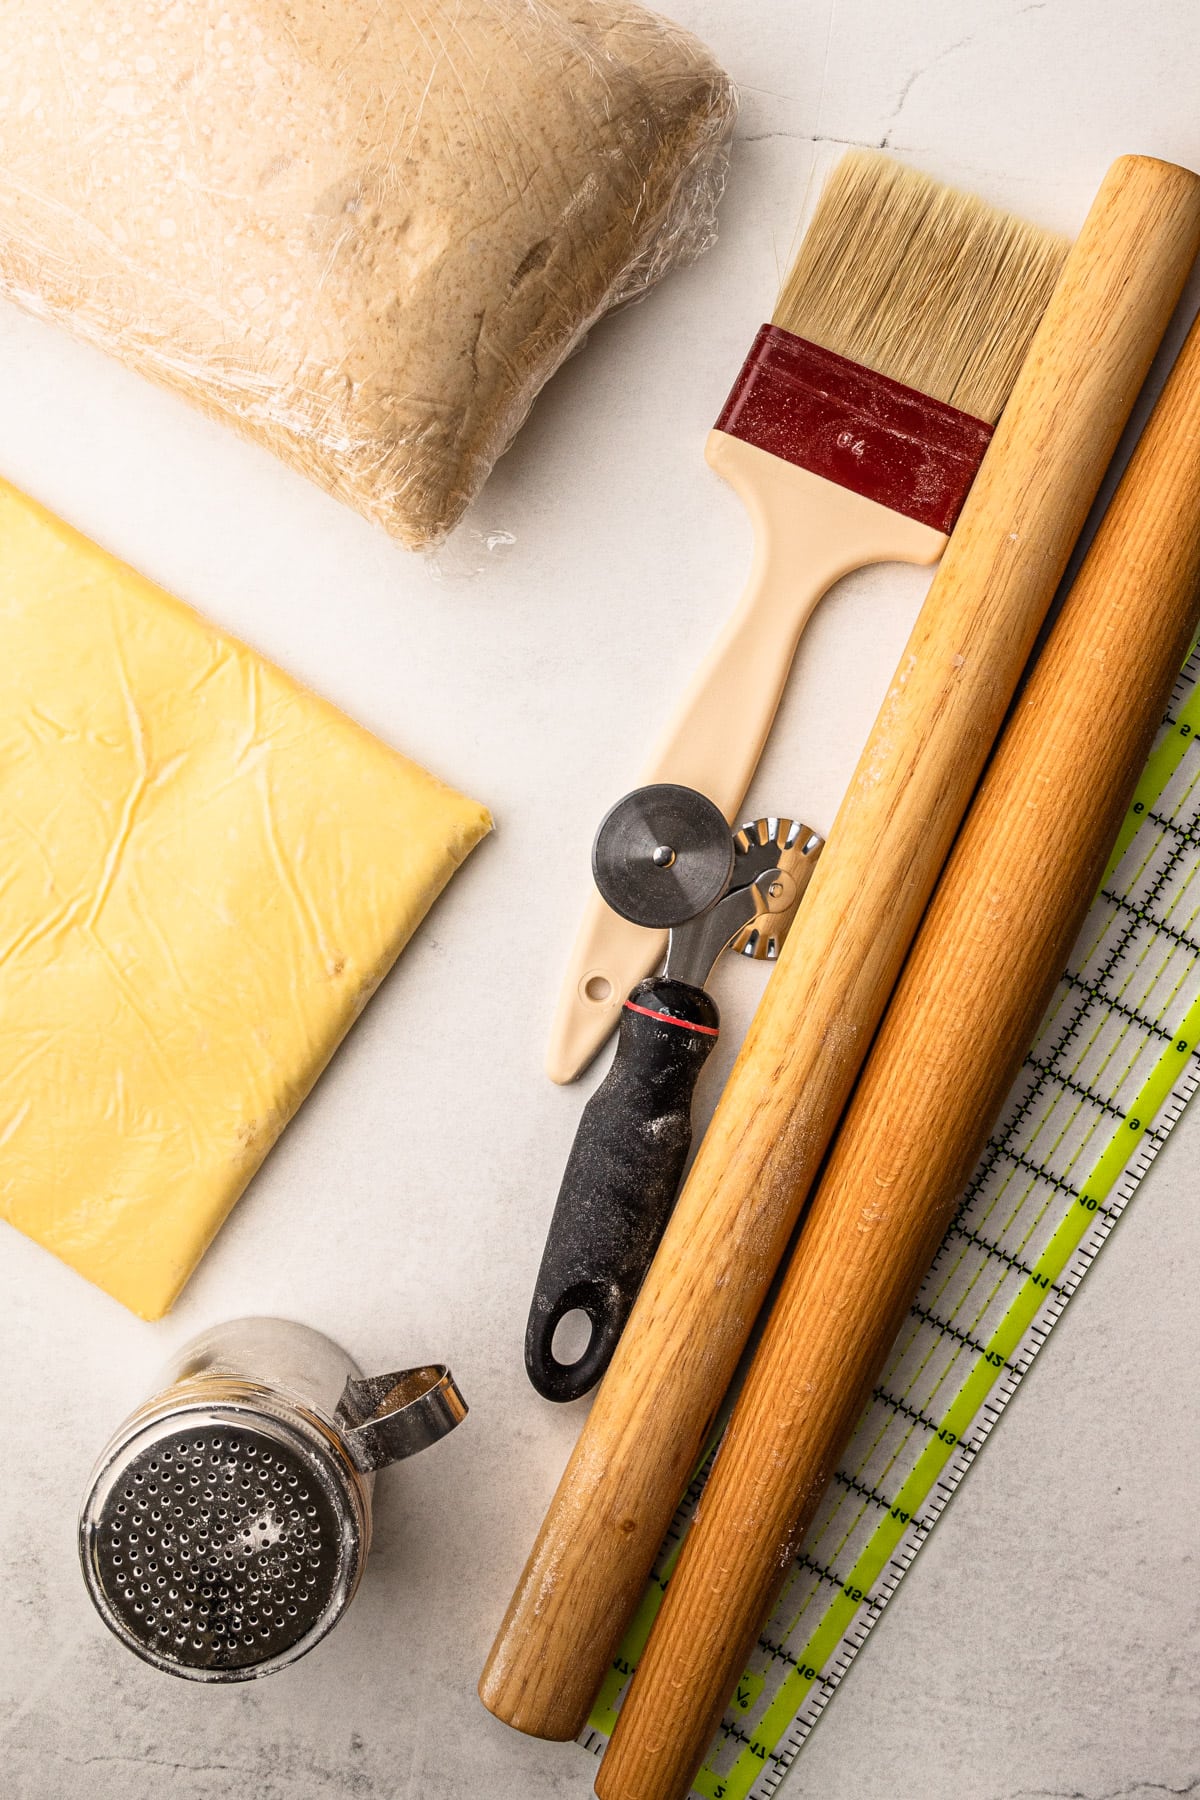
(205, 871)
(365, 233)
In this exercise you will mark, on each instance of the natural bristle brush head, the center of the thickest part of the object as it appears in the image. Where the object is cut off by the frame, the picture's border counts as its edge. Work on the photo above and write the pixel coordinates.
(920, 282)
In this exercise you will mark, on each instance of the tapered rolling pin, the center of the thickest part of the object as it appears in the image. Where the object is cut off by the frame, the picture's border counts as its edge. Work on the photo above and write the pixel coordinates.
(980, 976)
(589, 1566)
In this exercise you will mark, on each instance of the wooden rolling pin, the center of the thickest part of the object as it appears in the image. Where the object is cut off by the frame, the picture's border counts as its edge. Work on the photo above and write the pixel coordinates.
(589, 1566)
(981, 974)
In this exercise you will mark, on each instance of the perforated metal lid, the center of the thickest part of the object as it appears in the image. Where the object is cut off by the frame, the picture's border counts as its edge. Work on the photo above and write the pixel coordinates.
(219, 1544)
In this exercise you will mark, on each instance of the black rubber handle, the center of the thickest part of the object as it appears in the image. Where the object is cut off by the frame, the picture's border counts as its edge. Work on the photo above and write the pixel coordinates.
(621, 1181)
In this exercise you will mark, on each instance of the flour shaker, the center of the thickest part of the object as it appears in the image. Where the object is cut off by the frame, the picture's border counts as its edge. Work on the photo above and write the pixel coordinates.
(226, 1525)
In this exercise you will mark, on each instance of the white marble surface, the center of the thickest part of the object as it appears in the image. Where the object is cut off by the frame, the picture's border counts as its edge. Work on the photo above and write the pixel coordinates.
(1045, 1646)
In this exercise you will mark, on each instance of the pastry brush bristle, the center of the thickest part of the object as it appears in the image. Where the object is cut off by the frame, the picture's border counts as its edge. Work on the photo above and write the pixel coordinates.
(920, 282)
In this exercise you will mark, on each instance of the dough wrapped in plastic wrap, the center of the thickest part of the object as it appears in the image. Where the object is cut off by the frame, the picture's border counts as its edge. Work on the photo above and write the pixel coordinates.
(363, 231)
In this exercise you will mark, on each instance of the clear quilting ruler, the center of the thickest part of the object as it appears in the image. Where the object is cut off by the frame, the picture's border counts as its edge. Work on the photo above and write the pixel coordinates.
(1112, 1069)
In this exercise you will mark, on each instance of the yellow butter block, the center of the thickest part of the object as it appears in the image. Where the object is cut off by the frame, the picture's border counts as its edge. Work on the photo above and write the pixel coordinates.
(204, 872)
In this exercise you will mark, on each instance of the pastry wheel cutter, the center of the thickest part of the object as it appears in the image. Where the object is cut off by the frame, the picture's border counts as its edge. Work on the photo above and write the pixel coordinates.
(664, 857)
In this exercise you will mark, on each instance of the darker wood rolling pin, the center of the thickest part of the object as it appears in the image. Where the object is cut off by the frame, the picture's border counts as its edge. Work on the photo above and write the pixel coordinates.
(981, 974)
(589, 1566)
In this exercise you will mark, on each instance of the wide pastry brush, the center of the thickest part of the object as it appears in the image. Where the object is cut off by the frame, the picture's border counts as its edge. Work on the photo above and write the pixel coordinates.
(852, 435)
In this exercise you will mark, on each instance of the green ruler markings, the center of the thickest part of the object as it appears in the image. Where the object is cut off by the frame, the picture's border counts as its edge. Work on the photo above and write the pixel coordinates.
(1113, 1066)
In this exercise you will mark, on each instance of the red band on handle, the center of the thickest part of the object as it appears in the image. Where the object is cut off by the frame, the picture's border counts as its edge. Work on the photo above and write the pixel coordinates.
(670, 1019)
(862, 430)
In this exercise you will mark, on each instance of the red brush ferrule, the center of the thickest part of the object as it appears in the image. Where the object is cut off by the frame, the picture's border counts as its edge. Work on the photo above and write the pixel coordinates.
(861, 430)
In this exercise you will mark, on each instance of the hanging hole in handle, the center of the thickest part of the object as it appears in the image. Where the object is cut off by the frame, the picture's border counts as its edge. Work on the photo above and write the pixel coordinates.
(572, 1335)
(597, 1313)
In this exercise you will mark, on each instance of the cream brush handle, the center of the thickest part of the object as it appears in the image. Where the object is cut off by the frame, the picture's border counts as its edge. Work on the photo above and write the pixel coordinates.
(808, 533)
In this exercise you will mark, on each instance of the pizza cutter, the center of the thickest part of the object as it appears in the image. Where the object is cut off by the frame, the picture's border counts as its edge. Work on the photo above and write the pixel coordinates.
(664, 857)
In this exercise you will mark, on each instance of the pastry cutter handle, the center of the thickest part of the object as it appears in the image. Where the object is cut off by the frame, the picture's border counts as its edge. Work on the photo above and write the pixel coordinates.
(620, 1181)
(808, 532)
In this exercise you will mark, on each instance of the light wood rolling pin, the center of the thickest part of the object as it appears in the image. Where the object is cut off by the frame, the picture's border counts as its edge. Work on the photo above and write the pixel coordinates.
(589, 1566)
(981, 974)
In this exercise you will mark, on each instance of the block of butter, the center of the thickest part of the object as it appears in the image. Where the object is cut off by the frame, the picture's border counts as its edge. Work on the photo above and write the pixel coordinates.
(205, 870)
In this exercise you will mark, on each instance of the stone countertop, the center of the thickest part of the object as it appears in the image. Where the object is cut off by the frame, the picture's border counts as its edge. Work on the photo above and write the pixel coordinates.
(1046, 1644)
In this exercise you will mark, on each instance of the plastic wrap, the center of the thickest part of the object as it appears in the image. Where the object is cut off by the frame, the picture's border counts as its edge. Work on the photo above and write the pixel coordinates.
(364, 231)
